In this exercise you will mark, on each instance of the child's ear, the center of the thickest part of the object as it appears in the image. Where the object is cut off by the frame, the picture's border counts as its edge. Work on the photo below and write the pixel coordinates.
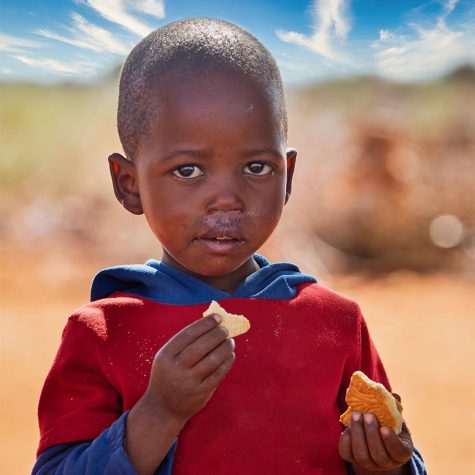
(124, 181)
(291, 159)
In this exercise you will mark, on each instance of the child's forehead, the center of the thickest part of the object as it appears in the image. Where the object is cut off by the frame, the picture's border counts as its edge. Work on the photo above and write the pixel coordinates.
(184, 81)
(209, 91)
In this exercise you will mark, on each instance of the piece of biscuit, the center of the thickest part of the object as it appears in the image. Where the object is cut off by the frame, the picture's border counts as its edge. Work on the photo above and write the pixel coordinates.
(364, 395)
(234, 324)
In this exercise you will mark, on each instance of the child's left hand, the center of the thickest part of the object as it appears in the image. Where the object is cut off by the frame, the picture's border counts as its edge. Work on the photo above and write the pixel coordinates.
(371, 448)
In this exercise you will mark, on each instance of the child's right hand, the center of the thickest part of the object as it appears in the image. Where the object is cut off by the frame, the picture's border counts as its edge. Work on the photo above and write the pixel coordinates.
(185, 373)
(187, 370)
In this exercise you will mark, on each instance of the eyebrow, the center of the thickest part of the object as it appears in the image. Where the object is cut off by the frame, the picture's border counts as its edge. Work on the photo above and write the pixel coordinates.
(204, 154)
(187, 152)
(263, 151)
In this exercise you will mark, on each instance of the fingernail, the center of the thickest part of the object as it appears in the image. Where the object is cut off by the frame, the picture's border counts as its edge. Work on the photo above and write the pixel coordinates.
(385, 432)
(368, 418)
(217, 317)
(356, 416)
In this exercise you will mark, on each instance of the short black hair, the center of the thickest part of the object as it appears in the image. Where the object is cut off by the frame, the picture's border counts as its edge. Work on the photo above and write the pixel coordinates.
(189, 46)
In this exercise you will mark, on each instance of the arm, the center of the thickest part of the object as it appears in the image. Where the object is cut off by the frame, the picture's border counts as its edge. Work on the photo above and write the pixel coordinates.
(369, 448)
(105, 455)
(78, 402)
(185, 373)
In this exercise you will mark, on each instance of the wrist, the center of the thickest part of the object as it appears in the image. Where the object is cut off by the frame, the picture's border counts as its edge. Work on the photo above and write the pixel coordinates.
(150, 433)
(151, 410)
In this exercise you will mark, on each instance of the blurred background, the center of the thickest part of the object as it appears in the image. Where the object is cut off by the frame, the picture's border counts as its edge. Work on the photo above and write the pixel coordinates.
(383, 211)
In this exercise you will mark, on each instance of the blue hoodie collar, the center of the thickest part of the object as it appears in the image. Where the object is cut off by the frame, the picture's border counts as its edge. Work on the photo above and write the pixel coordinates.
(162, 283)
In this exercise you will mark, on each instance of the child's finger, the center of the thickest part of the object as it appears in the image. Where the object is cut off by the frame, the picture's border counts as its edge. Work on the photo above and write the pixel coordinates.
(210, 383)
(344, 446)
(204, 344)
(213, 360)
(359, 446)
(189, 334)
(398, 448)
(377, 450)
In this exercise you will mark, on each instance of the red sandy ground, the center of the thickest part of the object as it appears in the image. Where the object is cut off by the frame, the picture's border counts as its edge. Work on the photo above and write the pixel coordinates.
(424, 327)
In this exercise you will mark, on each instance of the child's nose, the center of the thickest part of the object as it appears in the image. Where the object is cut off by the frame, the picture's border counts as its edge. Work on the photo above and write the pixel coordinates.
(224, 194)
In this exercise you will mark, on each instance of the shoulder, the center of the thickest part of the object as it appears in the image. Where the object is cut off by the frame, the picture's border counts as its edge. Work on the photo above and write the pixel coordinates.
(317, 294)
(99, 316)
(325, 302)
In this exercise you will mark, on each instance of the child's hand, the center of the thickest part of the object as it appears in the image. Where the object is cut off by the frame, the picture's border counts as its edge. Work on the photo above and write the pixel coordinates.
(185, 373)
(371, 448)
(187, 370)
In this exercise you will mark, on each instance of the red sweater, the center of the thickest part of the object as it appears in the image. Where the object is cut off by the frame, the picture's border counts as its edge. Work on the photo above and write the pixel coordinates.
(276, 412)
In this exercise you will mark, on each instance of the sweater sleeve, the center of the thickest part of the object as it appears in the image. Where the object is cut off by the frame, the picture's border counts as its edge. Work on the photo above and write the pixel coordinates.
(77, 401)
(367, 360)
(105, 455)
(362, 356)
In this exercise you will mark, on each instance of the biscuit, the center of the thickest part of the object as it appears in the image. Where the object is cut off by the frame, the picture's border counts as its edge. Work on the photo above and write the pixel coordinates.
(234, 324)
(364, 395)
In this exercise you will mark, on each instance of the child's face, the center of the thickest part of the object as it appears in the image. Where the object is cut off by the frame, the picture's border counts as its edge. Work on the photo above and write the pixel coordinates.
(212, 176)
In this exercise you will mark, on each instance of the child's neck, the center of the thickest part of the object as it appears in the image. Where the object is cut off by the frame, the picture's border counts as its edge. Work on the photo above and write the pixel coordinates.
(227, 283)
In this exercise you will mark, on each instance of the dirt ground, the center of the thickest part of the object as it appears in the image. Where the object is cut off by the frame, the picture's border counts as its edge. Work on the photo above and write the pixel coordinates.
(423, 325)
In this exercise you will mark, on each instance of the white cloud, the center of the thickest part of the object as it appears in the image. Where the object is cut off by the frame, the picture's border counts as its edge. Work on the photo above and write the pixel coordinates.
(385, 35)
(53, 65)
(14, 44)
(115, 11)
(149, 7)
(423, 52)
(84, 34)
(89, 36)
(331, 23)
(449, 6)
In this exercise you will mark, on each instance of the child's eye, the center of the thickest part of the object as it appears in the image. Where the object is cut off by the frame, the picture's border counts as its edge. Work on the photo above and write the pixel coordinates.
(258, 168)
(188, 171)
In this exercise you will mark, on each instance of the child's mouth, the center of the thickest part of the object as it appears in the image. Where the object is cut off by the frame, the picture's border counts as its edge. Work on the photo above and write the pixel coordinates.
(220, 244)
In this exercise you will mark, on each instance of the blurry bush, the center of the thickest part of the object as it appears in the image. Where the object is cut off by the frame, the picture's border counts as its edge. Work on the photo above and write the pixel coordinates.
(385, 178)
(388, 172)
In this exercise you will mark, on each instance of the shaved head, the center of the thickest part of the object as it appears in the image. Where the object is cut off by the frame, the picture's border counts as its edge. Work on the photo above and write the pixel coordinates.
(184, 49)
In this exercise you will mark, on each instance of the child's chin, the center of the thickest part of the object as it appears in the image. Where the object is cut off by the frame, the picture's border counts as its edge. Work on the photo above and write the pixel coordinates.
(218, 266)
(219, 269)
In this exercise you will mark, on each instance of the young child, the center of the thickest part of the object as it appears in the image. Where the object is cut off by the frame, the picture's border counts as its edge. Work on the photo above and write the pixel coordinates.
(141, 383)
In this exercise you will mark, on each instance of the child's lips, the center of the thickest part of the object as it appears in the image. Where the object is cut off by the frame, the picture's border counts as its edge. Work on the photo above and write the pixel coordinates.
(222, 244)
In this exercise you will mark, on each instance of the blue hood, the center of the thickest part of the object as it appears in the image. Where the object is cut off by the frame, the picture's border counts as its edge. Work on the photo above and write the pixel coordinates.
(162, 283)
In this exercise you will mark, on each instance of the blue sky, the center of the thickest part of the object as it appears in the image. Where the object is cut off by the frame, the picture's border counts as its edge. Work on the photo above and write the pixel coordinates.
(314, 40)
